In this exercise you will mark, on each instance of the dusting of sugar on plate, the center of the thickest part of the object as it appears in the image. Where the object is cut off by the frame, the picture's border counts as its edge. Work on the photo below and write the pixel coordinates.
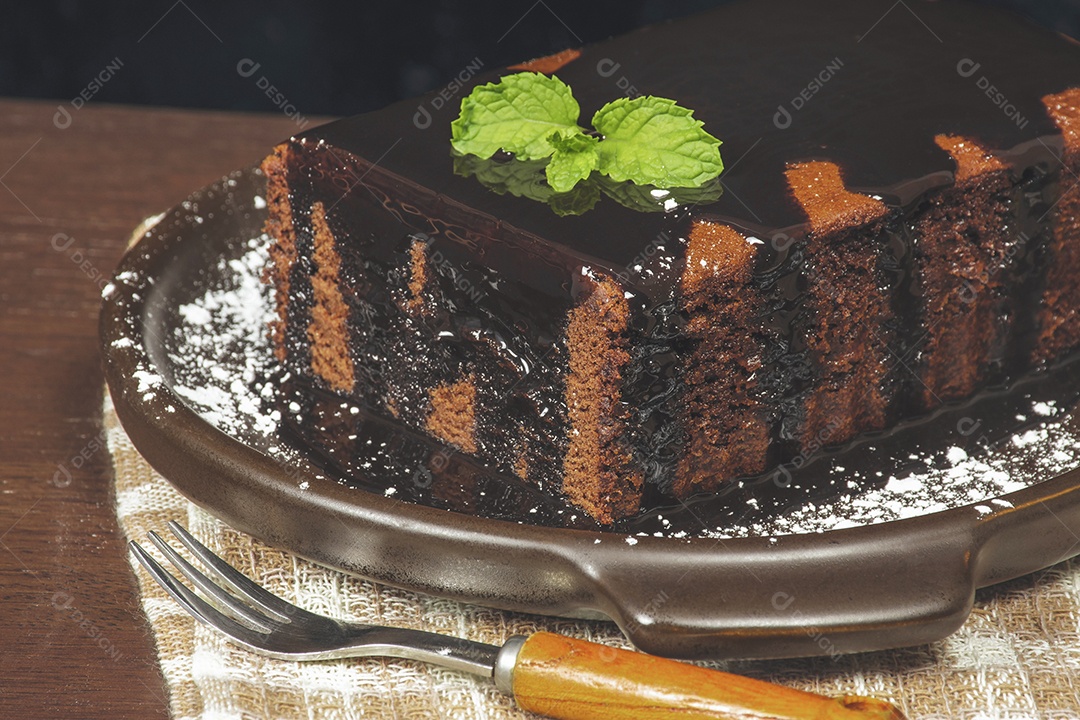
(1045, 409)
(223, 361)
(956, 455)
(147, 379)
(1053, 447)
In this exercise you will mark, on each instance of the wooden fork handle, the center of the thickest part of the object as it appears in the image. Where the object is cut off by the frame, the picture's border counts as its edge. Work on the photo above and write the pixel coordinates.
(573, 679)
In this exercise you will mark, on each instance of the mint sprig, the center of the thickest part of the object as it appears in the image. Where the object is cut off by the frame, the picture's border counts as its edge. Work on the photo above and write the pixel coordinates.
(645, 140)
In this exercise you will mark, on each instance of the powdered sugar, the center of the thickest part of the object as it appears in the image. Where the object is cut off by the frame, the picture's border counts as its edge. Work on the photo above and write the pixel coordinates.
(224, 361)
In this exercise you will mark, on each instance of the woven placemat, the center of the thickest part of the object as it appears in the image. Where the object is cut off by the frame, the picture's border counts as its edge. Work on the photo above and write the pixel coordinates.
(1018, 655)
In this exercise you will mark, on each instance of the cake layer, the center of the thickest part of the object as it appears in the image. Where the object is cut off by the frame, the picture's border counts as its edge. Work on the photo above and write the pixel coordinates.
(888, 238)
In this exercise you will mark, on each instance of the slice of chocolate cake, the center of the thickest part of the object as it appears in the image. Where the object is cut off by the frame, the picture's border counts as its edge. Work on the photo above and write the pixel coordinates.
(898, 228)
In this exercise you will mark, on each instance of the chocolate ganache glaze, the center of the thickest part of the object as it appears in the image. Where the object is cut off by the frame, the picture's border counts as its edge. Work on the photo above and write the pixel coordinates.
(880, 86)
(868, 87)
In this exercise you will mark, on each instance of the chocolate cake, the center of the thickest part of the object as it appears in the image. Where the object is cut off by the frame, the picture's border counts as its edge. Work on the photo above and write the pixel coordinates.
(898, 227)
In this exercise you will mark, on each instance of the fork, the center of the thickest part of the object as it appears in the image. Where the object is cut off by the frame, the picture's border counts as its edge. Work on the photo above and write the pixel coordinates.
(545, 673)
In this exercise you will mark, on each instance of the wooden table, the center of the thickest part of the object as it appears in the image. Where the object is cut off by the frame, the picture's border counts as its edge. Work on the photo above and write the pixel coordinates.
(73, 639)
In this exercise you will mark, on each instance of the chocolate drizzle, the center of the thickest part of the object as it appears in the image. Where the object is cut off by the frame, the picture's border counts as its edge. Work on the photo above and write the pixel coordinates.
(859, 86)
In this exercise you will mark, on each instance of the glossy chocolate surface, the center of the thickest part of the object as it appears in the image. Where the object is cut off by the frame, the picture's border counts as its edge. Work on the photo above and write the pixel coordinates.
(866, 85)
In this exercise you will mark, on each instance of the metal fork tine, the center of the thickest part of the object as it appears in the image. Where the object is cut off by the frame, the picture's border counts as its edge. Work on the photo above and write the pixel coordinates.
(314, 637)
(199, 608)
(246, 588)
(226, 602)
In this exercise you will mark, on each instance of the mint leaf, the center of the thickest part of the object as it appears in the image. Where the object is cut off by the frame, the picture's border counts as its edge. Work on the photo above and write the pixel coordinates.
(574, 160)
(652, 141)
(518, 114)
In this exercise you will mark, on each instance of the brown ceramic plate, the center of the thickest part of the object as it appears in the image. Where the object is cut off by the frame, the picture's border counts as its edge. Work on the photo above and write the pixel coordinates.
(886, 585)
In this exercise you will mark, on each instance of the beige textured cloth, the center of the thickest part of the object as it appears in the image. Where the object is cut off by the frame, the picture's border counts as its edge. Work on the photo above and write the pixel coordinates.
(1018, 656)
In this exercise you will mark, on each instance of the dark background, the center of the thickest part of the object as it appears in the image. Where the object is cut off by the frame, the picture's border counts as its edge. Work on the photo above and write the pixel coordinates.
(331, 57)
